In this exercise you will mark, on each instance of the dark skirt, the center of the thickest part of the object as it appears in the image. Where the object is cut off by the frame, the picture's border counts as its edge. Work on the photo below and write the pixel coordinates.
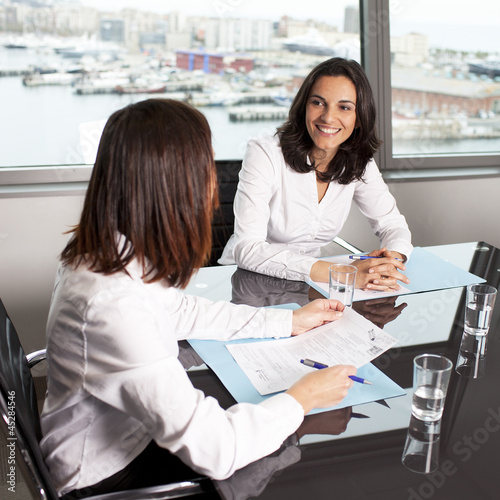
(153, 467)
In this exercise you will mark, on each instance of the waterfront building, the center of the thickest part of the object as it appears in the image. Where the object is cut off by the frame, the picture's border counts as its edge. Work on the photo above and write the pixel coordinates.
(192, 60)
(418, 92)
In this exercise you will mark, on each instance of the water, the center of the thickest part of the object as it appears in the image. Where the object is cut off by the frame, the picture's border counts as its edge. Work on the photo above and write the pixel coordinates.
(342, 293)
(477, 318)
(428, 403)
(41, 125)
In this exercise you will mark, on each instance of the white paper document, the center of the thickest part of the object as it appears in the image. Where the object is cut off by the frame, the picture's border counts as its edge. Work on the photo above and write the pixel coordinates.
(274, 366)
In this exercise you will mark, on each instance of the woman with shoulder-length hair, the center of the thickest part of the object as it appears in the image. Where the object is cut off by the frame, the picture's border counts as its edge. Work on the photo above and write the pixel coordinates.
(296, 187)
(120, 409)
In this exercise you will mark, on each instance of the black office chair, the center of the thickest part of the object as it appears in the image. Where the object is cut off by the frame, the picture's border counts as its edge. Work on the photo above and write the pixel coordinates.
(18, 400)
(223, 223)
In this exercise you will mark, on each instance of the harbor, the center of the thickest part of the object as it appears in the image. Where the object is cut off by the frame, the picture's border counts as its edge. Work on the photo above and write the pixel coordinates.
(237, 103)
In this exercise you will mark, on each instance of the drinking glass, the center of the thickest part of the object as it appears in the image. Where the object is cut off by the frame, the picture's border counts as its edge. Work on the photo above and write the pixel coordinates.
(478, 308)
(431, 376)
(342, 281)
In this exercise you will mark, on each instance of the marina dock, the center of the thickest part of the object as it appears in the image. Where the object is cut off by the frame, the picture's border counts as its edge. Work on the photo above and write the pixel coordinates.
(259, 113)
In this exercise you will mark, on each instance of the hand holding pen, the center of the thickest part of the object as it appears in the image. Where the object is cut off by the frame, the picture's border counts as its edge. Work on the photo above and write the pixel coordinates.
(319, 366)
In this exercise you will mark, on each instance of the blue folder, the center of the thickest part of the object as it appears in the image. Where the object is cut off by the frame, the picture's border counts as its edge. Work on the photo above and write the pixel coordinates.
(428, 272)
(215, 354)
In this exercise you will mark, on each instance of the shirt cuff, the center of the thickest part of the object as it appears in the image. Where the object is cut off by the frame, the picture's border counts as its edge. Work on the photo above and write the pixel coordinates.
(289, 412)
(278, 322)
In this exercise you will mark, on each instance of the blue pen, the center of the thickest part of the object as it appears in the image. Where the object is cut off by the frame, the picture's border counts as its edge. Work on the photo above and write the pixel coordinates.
(319, 366)
(366, 257)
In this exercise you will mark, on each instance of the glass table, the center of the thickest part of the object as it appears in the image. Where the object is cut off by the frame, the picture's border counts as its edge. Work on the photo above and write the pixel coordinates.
(356, 452)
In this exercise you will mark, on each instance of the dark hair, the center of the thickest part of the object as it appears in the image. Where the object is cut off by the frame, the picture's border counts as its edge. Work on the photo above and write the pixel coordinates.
(350, 161)
(154, 182)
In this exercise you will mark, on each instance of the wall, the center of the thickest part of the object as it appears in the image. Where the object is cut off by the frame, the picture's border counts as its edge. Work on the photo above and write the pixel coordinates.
(31, 237)
(439, 212)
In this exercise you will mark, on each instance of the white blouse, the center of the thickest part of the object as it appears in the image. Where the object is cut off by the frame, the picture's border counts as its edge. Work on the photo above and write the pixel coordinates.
(115, 381)
(279, 225)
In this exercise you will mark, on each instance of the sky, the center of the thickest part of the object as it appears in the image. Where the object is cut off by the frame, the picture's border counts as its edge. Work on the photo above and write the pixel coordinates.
(447, 24)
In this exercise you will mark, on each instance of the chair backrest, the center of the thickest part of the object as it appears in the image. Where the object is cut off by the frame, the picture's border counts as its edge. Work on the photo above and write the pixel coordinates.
(223, 223)
(18, 406)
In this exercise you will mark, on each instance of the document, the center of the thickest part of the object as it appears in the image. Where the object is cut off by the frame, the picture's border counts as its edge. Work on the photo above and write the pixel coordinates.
(275, 366)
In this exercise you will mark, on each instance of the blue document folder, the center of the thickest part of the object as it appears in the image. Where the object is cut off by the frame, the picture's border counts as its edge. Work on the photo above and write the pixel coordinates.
(428, 272)
(215, 354)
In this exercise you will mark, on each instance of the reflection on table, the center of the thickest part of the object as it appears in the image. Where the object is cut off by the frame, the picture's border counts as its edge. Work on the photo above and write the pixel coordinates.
(364, 460)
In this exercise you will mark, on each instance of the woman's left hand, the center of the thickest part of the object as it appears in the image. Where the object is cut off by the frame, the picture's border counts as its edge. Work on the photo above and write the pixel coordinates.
(316, 313)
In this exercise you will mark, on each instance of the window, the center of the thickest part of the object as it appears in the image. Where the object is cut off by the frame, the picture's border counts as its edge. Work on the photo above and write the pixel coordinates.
(442, 108)
(66, 66)
(433, 68)
(445, 77)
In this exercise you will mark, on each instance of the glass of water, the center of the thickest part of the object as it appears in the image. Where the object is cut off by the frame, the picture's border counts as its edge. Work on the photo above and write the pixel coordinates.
(342, 281)
(478, 308)
(431, 376)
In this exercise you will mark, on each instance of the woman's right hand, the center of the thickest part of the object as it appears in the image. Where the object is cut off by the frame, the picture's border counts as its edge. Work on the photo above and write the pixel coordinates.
(323, 388)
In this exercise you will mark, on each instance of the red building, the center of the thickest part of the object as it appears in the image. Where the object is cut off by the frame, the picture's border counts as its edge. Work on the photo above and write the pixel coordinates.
(191, 60)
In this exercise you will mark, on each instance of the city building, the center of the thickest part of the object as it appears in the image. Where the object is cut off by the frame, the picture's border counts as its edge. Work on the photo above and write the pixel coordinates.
(207, 62)
(238, 34)
(409, 50)
(351, 19)
(112, 30)
(416, 92)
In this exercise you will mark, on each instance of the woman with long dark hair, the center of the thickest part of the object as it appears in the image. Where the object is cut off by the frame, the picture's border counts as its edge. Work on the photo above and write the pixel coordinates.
(120, 409)
(296, 187)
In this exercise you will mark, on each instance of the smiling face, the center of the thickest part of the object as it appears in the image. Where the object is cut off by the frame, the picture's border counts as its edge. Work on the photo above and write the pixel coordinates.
(330, 115)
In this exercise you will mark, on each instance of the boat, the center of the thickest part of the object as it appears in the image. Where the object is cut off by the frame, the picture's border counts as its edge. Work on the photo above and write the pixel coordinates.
(489, 67)
(37, 79)
(310, 43)
(283, 100)
(93, 48)
(103, 83)
(137, 88)
(15, 45)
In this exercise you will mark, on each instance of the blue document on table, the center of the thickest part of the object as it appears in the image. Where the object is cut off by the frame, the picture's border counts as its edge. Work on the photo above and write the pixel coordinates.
(215, 354)
(426, 272)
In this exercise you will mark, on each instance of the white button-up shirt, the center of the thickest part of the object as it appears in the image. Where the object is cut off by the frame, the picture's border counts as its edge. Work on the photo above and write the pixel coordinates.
(115, 382)
(280, 226)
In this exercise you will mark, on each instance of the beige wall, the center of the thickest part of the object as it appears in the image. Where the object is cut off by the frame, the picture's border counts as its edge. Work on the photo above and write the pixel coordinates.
(31, 237)
(440, 212)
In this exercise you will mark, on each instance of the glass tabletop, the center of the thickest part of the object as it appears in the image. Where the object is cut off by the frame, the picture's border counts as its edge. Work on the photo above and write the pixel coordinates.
(356, 452)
